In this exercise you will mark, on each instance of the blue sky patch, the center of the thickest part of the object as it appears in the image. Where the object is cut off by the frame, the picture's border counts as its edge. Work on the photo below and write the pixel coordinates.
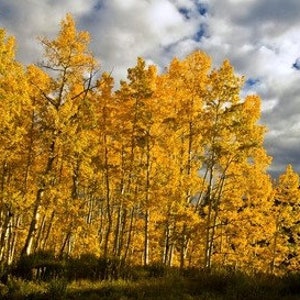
(185, 12)
(251, 82)
(99, 5)
(296, 64)
(202, 8)
(202, 32)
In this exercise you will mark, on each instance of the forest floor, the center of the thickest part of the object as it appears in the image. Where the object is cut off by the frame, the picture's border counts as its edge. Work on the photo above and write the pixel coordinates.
(222, 286)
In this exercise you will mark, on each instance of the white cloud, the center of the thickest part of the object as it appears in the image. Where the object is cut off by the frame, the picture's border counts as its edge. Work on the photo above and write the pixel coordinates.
(29, 19)
(166, 23)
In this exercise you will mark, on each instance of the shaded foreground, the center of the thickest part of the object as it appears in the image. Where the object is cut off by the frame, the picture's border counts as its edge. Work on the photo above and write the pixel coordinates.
(156, 282)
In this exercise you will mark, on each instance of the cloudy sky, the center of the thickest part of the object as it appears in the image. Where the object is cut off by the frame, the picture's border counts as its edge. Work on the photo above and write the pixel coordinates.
(261, 38)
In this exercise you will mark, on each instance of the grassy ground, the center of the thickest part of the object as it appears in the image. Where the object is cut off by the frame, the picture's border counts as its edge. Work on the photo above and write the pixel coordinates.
(213, 286)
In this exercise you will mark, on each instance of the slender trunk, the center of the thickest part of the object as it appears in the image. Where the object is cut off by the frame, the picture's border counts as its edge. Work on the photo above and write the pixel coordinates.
(208, 241)
(184, 240)
(107, 230)
(217, 200)
(108, 200)
(46, 237)
(71, 244)
(147, 204)
(122, 231)
(168, 246)
(40, 234)
(13, 241)
(107, 182)
(171, 254)
(39, 196)
(101, 225)
(5, 234)
(183, 246)
(27, 249)
(130, 229)
(146, 238)
(5, 211)
(65, 243)
(117, 234)
(90, 210)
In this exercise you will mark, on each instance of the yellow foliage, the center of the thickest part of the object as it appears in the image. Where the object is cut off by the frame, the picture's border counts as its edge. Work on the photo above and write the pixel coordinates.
(170, 167)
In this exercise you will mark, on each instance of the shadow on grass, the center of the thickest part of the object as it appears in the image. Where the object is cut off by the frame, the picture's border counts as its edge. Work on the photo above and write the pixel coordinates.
(172, 285)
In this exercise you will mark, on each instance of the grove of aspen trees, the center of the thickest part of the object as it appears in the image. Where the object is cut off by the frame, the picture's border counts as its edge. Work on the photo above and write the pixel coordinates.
(163, 168)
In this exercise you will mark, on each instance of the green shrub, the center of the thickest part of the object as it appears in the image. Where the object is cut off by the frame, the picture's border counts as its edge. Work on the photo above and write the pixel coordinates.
(156, 270)
(57, 289)
(3, 291)
(110, 268)
(22, 289)
(84, 267)
(42, 265)
(89, 266)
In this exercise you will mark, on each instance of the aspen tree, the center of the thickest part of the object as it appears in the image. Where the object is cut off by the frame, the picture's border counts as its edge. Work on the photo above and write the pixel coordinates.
(286, 211)
(106, 159)
(245, 224)
(182, 91)
(72, 67)
(15, 110)
(138, 119)
(231, 136)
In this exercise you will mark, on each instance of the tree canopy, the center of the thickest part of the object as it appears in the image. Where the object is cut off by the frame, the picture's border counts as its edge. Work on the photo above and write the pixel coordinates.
(167, 168)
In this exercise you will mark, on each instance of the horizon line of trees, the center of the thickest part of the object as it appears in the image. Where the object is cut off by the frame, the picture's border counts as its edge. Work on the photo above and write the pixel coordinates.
(167, 168)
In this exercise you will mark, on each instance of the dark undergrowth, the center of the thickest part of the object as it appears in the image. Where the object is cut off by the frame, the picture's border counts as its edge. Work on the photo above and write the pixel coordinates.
(45, 277)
